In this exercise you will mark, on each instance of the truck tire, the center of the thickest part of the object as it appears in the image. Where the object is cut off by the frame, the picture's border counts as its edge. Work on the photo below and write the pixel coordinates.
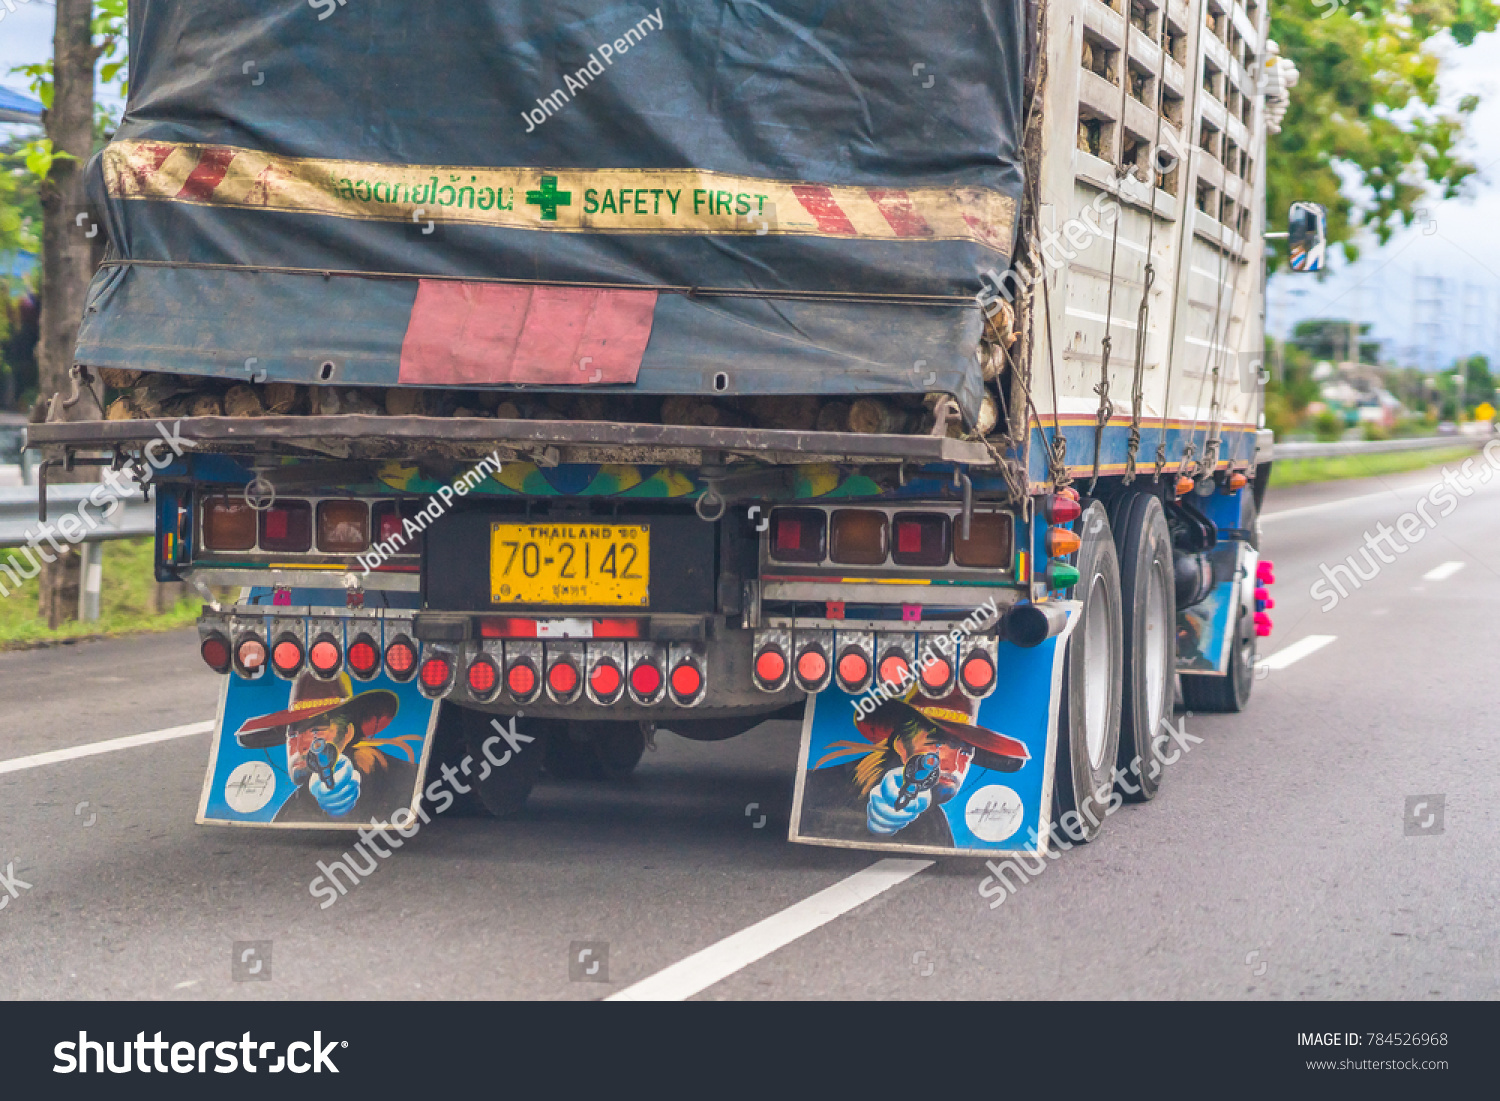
(1149, 660)
(1089, 716)
(1230, 693)
(502, 790)
(611, 753)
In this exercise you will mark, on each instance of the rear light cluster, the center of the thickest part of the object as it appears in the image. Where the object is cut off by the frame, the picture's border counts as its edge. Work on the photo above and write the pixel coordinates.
(332, 526)
(248, 645)
(1061, 510)
(517, 670)
(857, 660)
(889, 538)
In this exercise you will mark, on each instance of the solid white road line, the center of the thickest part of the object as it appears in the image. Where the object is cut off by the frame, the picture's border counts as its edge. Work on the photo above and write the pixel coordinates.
(93, 749)
(1296, 651)
(1443, 572)
(718, 961)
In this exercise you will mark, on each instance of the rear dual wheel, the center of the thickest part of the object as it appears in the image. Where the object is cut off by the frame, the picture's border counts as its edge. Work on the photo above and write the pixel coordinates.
(1148, 600)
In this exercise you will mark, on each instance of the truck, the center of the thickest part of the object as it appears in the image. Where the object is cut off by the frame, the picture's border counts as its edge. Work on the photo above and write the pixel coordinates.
(586, 370)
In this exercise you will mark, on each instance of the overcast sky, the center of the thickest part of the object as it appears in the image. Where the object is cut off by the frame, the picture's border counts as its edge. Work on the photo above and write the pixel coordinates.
(1426, 323)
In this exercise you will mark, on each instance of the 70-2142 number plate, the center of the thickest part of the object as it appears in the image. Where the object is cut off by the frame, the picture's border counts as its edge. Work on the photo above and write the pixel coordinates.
(588, 564)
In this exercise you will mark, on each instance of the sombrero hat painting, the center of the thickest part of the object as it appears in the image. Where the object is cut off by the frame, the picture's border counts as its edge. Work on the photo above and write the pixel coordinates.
(311, 698)
(953, 716)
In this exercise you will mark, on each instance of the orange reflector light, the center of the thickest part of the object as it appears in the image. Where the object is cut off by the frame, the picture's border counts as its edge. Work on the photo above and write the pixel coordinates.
(483, 677)
(978, 673)
(286, 656)
(363, 658)
(324, 656)
(605, 679)
(1061, 542)
(645, 678)
(894, 670)
(811, 666)
(1237, 482)
(215, 651)
(400, 659)
(936, 675)
(1068, 492)
(853, 668)
(251, 654)
(436, 672)
(770, 666)
(1184, 486)
(521, 680)
(686, 680)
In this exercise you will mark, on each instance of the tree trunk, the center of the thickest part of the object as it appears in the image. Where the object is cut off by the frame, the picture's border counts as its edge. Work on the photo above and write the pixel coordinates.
(68, 252)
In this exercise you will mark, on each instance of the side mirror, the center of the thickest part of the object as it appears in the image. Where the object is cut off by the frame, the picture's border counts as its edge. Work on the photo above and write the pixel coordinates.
(1307, 233)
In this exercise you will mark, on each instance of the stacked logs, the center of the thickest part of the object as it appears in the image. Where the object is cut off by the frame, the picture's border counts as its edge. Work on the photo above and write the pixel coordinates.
(138, 395)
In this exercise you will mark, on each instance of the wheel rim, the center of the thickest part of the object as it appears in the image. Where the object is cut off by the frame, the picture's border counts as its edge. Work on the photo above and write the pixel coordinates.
(1158, 637)
(1096, 677)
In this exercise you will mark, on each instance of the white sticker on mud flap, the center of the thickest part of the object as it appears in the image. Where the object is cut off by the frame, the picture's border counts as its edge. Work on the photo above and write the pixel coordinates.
(250, 787)
(993, 813)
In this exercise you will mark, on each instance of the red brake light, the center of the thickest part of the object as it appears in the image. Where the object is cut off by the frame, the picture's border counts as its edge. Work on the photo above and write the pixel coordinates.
(894, 669)
(686, 680)
(770, 666)
(605, 679)
(251, 654)
(922, 539)
(436, 672)
(521, 680)
(563, 677)
(811, 666)
(400, 658)
(936, 675)
(215, 651)
(286, 527)
(286, 656)
(798, 534)
(853, 668)
(645, 678)
(978, 673)
(363, 658)
(324, 656)
(483, 677)
(1062, 510)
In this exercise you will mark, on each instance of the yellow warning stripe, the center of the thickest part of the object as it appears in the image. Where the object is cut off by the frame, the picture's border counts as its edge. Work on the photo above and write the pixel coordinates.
(605, 200)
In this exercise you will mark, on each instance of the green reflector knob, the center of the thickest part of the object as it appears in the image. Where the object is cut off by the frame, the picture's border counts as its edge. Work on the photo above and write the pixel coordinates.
(1060, 575)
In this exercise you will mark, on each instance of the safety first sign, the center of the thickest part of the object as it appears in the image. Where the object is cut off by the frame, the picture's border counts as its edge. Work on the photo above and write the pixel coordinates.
(604, 200)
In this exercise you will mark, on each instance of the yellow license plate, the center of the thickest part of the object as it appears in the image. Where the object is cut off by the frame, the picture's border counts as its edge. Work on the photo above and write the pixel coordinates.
(592, 564)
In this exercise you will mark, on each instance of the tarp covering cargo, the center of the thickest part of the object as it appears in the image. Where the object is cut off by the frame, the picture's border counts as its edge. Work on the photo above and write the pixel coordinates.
(732, 196)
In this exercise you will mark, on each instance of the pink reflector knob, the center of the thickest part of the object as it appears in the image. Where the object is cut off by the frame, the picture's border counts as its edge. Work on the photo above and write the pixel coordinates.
(1265, 572)
(1262, 624)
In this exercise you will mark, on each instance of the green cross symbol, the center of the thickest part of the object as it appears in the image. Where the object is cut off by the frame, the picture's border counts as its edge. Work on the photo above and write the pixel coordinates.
(549, 198)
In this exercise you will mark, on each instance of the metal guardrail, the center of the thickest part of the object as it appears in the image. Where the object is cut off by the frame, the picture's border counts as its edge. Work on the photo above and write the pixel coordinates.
(1374, 447)
(131, 516)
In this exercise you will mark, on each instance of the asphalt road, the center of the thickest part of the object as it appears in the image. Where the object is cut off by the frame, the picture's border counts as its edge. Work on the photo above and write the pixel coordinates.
(1279, 860)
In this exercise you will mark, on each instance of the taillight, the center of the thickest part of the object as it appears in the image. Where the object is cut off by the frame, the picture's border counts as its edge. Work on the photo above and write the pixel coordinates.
(250, 655)
(228, 524)
(859, 537)
(606, 673)
(325, 656)
(976, 671)
(687, 682)
(215, 651)
(523, 671)
(895, 669)
(647, 678)
(798, 535)
(564, 678)
(936, 676)
(286, 657)
(363, 657)
(343, 527)
(853, 671)
(812, 667)
(483, 677)
(436, 675)
(385, 520)
(286, 527)
(770, 665)
(988, 545)
(921, 539)
(401, 659)
(1062, 509)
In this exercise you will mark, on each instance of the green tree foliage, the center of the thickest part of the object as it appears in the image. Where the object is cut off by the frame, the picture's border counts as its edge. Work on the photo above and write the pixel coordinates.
(1368, 105)
(1328, 338)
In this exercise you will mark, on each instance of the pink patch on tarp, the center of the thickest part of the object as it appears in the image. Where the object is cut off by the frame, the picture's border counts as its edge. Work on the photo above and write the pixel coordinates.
(480, 334)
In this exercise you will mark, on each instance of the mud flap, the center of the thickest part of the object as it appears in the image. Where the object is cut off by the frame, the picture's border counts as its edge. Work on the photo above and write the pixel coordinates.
(317, 754)
(948, 777)
(1205, 631)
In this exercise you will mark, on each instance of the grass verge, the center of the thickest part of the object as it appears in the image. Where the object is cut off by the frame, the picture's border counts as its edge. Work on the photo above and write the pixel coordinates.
(1296, 472)
(126, 604)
